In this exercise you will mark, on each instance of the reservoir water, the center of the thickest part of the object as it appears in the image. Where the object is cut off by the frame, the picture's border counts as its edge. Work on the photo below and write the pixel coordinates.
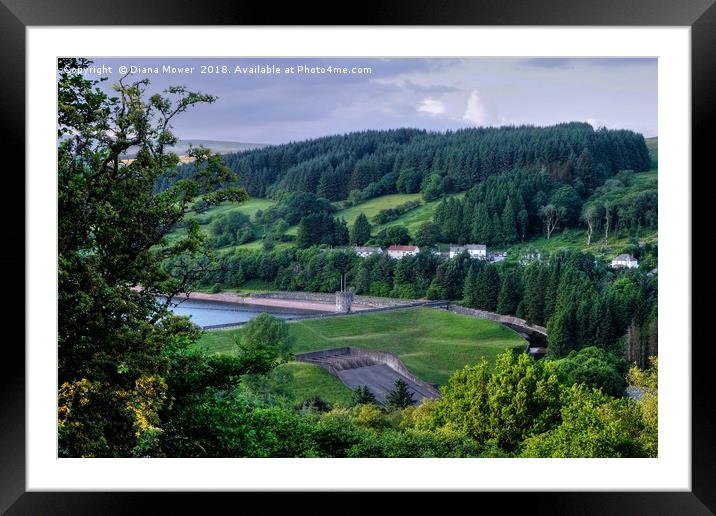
(211, 313)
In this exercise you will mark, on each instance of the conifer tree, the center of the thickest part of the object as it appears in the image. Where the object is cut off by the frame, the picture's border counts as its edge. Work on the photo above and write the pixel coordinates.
(470, 290)
(488, 288)
(496, 236)
(481, 225)
(363, 395)
(535, 276)
(523, 218)
(360, 231)
(560, 333)
(509, 223)
(509, 296)
(400, 397)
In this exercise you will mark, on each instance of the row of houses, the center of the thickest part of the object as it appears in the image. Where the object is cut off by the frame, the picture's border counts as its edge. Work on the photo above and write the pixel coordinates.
(476, 251)
(394, 251)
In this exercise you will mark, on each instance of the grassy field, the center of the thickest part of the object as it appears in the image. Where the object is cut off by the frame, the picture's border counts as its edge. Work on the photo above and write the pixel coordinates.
(412, 219)
(648, 179)
(249, 208)
(372, 206)
(258, 245)
(432, 343)
(308, 380)
(576, 239)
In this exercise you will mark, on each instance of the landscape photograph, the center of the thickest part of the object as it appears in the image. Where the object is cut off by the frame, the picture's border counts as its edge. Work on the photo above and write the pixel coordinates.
(357, 257)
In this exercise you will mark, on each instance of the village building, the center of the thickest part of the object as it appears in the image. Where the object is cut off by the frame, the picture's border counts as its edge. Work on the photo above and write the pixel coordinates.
(474, 250)
(401, 251)
(497, 257)
(366, 251)
(443, 255)
(625, 261)
(530, 257)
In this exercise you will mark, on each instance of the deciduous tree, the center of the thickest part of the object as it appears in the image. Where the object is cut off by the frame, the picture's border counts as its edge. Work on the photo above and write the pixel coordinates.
(113, 335)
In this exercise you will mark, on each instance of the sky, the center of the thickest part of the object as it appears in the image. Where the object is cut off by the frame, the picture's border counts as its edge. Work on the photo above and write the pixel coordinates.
(307, 99)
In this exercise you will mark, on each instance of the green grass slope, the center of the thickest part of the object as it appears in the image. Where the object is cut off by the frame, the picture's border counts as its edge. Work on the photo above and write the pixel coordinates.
(308, 380)
(250, 207)
(432, 343)
(412, 219)
(371, 207)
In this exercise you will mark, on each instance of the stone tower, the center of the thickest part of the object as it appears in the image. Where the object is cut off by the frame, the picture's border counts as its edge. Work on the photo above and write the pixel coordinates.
(344, 300)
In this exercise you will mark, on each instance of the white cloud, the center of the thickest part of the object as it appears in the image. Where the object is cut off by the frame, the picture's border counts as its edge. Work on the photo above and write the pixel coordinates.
(476, 112)
(431, 106)
(593, 122)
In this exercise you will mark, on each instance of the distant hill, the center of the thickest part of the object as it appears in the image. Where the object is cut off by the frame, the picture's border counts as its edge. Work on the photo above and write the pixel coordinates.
(407, 161)
(222, 147)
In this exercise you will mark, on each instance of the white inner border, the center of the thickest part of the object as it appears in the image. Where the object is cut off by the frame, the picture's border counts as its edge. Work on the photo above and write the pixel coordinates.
(671, 471)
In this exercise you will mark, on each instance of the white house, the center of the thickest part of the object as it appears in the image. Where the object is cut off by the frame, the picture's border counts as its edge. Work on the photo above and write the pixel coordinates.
(400, 251)
(474, 250)
(366, 251)
(625, 260)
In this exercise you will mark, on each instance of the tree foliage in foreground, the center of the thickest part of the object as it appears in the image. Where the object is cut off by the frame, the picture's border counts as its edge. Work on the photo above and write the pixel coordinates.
(596, 425)
(113, 336)
(264, 343)
(523, 409)
(518, 399)
(594, 367)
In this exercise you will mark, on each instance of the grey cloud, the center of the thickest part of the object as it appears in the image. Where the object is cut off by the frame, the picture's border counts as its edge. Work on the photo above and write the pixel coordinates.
(278, 108)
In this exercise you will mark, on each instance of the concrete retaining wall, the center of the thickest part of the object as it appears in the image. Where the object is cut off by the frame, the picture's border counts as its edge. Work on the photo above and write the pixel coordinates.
(505, 319)
(434, 304)
(378, 302)
(332, 360)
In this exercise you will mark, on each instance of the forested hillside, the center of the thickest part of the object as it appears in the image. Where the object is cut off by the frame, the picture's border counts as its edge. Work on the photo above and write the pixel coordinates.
(363, 165)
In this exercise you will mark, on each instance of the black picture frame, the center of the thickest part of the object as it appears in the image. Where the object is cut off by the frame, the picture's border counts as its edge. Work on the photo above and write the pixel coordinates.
(16, 15)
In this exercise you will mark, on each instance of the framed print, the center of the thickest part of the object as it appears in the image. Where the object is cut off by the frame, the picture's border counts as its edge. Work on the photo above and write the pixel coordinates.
(416, 253)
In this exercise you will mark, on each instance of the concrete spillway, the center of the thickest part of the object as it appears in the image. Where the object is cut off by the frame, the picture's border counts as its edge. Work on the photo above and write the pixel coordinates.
(380, 379)
(376, 369)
